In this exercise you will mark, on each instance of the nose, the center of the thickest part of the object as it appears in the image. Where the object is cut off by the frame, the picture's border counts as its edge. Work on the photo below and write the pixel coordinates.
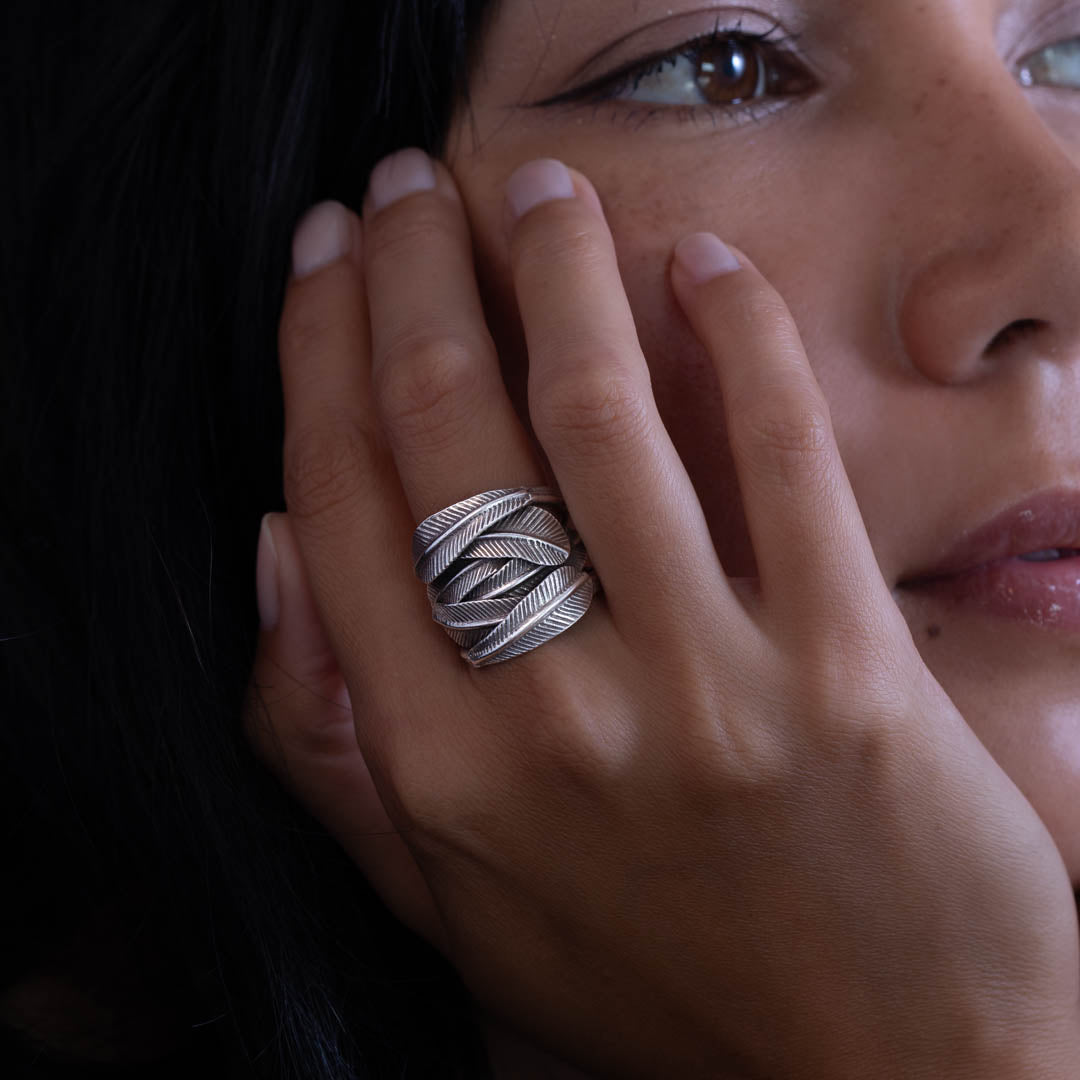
(994, 269)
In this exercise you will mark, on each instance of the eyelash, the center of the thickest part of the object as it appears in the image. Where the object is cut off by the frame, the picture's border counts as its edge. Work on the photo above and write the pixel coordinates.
(768, 46)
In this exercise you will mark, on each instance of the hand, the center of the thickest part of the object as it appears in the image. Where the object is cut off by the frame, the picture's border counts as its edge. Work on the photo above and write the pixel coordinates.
(716, 829)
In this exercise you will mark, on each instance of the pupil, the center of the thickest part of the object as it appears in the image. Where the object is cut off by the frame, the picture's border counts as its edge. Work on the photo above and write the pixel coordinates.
(733, 65)
(729, 73)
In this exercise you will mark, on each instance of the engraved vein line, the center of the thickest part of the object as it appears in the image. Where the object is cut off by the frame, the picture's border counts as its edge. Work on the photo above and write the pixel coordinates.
(541, 613)
(484, 508)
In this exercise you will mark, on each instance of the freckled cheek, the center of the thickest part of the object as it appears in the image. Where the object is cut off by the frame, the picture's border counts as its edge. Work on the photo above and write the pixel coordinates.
(683, 376)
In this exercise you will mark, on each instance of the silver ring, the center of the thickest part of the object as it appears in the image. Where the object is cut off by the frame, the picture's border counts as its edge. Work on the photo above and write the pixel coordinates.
(505, 572)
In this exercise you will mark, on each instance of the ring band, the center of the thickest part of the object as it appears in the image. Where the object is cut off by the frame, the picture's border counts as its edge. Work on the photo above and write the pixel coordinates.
(505, 572)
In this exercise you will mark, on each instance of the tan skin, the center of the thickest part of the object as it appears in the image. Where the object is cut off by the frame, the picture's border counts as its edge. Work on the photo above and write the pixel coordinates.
(908, 209)
(918, 205)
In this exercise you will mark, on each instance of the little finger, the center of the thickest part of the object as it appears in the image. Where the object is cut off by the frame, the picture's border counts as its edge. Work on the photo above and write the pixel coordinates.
(298, 718)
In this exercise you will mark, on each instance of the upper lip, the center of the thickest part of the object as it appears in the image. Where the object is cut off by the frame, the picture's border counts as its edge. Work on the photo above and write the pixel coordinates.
(1048, 519)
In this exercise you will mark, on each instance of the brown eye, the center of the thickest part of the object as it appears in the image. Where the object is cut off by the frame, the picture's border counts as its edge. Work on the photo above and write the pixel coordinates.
(730, 72)
(728, 69)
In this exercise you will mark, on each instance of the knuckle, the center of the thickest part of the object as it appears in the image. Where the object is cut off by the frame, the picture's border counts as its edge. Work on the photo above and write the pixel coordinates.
(426, 386)
(327, 465)
(852, 677)
(577, 246)
(784, 447)
(304, 328)
(763, 307)
(584, 752)
(603, 410)
(419, 226)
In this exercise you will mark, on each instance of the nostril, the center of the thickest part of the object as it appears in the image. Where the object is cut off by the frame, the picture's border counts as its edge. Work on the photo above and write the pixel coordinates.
(1013, 332)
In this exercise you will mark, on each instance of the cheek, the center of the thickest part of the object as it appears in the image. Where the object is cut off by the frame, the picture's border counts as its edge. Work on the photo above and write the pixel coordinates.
(685, 383)
(829, 269)
(647, 219)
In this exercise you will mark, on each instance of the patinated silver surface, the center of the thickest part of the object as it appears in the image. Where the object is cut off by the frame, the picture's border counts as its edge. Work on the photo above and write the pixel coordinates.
(505, 572)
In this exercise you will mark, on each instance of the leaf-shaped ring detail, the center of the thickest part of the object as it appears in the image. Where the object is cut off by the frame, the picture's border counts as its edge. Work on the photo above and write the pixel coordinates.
(505, 572)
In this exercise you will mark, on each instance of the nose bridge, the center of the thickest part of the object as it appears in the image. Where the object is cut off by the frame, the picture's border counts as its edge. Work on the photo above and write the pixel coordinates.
(998, 238)
(993, 147)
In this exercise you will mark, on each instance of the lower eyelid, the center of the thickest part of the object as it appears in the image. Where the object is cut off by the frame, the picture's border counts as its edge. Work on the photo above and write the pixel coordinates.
(772, 98)
(637, 114)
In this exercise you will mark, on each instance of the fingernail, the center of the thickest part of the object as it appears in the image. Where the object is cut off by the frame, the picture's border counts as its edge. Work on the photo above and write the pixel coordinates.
(538, 182)
(266, 577)
(400, 174)
(703, 256)
(323, 236)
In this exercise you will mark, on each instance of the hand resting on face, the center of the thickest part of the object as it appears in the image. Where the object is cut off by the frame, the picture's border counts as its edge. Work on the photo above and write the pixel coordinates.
(722, 827)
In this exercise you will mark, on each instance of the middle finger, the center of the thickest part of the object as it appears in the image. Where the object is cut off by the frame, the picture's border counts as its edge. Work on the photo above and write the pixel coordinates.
(592, 407)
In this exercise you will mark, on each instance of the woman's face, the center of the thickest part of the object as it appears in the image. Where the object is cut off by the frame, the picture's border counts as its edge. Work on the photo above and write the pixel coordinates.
(907, 175)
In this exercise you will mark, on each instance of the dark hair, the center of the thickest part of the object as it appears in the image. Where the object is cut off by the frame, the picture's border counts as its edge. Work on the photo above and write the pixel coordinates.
(158, 156)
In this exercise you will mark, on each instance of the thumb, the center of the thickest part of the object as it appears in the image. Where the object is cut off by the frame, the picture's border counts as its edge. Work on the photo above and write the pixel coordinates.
(298, 716)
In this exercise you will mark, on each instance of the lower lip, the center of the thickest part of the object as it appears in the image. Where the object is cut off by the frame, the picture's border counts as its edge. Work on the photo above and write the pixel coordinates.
(1038, 593)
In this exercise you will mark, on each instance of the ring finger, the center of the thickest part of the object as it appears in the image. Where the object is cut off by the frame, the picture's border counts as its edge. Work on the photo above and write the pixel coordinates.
(438, 387)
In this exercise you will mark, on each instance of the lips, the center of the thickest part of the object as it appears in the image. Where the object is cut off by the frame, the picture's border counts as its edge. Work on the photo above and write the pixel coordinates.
(1042, 523)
